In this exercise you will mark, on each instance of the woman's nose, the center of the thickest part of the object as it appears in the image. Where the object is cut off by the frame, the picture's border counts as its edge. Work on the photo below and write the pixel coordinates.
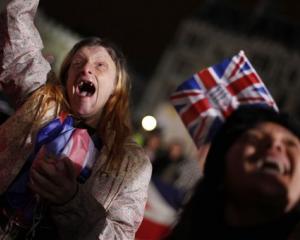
(87, 69)
(275, 144)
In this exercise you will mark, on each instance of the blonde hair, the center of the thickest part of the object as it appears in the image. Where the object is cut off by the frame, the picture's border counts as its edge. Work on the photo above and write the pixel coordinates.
(114, 126)
(48, 96)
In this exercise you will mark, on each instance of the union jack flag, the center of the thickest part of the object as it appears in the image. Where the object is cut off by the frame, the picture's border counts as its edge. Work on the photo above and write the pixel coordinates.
(59, 138)
(206, 99)
(56, 139)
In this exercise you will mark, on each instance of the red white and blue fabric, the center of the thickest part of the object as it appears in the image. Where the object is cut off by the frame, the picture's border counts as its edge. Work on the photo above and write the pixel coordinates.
(161, 211)
(206, 99)
(56, 139)
(60, 139)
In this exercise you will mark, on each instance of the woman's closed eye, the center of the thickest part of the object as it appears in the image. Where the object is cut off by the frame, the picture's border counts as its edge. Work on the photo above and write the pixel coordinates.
(291, 142)
(77, 63)
(101, 65)
(252, 138)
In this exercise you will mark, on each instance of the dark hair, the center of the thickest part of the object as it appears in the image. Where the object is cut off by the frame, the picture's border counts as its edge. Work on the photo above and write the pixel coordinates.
(241, 120)
(206, 207)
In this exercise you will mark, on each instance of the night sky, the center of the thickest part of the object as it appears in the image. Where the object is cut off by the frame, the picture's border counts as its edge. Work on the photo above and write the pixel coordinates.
(143, 29)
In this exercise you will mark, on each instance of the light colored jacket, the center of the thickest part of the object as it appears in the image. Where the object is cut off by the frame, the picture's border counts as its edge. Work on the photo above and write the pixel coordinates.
(110, 205)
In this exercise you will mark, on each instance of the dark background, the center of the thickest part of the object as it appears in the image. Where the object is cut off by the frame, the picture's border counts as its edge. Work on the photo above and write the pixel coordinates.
(143, 29)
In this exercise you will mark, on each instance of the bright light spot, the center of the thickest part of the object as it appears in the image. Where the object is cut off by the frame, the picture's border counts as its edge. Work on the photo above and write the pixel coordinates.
(149, 123)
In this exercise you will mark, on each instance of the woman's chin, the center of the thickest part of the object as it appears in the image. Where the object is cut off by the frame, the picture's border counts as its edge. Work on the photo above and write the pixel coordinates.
(89, 118)
(84, 111)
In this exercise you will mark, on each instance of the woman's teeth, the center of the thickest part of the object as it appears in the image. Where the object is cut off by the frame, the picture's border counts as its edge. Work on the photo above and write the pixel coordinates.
(272, 165)
(86, 88)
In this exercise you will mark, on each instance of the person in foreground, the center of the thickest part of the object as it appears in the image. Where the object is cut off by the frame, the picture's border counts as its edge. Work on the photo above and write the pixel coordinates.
(250, 188)
(94, 89)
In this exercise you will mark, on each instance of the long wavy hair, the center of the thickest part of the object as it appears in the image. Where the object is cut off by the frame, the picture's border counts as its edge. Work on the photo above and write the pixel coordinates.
(49, 96)
(114, 126)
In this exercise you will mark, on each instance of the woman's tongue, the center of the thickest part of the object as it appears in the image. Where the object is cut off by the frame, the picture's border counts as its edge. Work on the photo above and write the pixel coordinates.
(85, 89)
(83, 93)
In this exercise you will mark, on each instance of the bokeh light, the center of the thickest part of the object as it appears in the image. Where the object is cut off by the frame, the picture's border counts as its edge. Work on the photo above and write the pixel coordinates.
(149, 123)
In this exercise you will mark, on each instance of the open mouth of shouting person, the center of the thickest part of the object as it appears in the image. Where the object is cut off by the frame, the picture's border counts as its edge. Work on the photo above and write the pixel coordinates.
(85, 88)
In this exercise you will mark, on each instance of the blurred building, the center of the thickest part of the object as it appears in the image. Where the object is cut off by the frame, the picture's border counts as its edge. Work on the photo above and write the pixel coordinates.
(219, 31)
(57, 39)
(267, 30)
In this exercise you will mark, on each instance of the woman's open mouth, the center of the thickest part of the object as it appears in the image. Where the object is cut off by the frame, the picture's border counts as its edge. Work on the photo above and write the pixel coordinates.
(85, 88)
(271, 165)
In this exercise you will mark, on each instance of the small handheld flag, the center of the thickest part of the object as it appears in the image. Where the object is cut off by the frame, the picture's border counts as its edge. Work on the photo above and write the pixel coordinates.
(206, 99)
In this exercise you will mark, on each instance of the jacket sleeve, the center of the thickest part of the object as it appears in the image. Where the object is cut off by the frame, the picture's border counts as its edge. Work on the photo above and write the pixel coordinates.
(85, 218)
(127, 210)
(22, 65)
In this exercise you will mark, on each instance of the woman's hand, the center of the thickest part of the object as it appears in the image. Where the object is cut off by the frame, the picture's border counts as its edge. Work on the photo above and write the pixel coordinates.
(54, 180)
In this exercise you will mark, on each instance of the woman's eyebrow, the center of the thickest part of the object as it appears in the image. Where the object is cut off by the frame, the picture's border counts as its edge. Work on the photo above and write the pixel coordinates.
(252, 132)
(78, 57)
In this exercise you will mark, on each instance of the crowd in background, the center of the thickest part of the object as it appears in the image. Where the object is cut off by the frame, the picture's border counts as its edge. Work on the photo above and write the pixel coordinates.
(174, 176)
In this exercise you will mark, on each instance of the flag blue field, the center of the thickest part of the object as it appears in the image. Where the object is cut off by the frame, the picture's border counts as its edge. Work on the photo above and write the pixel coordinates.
(206, 99)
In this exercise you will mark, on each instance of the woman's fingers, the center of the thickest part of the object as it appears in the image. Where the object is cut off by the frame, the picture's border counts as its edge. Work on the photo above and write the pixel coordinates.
(41, 185)
(69, 167)
(54, 180)
(49, 171)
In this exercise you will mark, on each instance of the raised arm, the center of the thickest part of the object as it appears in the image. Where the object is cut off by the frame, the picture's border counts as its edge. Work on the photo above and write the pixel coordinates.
(22, 66)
